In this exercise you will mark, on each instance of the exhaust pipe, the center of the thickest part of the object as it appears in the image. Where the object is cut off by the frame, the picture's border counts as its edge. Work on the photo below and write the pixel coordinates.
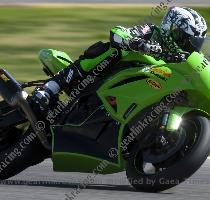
(12, 93)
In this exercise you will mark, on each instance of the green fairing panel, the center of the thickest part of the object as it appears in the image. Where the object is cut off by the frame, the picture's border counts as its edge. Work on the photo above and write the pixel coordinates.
(167, 79)
(176, 79)
(71, 162)
(197, 75)
(74, 162)
(134, 92)
(142, 58)
(89, 64)
(176, 115)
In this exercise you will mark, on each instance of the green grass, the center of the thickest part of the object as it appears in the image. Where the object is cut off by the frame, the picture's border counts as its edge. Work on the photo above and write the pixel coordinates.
(26, 30)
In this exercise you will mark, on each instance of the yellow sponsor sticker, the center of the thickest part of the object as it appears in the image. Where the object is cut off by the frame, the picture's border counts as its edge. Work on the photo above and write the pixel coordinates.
(161, 72)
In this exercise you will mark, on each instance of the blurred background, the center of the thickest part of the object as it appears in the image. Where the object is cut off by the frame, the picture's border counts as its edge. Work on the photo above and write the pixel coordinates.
(70, 26)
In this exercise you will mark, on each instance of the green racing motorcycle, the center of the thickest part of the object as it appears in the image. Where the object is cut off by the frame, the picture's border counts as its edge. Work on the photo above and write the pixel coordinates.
(147, 117)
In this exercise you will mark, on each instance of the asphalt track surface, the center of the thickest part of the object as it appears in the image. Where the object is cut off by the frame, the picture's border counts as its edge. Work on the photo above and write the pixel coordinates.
(183, 2)
(41, 183)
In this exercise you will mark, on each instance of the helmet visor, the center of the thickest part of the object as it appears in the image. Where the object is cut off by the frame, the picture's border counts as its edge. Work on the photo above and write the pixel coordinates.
(196, 43)
(187, 42)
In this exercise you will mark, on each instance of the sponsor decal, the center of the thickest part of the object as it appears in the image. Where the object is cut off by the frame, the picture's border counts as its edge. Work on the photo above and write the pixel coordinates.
(69, 77)
(203, 65)
(153, 84)
(147, 69)
(159, 76)
(160, 72)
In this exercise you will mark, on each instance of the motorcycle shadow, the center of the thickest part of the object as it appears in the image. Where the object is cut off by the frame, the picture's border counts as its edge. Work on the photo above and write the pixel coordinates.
(72, 185)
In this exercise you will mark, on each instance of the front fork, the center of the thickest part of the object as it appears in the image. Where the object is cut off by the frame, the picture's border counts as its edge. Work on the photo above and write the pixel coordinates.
(164, 120)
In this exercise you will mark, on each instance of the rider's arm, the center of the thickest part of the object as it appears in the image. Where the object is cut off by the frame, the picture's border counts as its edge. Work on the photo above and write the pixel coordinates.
(136, 39)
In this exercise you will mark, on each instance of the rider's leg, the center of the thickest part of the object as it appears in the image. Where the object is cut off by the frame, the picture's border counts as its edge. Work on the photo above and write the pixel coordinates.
(76, 72)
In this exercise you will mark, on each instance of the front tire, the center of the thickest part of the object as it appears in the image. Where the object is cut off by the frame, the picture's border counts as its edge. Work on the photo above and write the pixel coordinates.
(177, 168)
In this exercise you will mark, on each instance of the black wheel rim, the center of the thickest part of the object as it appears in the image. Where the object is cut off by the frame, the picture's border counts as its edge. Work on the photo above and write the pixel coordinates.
(191, 129)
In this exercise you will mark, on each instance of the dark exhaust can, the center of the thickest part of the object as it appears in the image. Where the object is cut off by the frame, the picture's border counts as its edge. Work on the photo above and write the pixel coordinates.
(10, 89)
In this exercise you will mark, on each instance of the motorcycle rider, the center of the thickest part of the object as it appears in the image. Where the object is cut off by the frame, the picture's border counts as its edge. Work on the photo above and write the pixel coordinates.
(181, 32)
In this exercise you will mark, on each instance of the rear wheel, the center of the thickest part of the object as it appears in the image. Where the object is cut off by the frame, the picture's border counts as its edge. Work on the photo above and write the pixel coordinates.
(26, 151)
(19, 147)
(171, 159)
(9, 132)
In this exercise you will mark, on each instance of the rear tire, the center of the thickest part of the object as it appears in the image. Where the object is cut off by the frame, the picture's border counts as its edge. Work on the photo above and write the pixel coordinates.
(178, 171)
(14, 159)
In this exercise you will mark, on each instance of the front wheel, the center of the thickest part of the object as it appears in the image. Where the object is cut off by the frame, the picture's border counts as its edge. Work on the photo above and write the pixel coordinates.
(154, 176)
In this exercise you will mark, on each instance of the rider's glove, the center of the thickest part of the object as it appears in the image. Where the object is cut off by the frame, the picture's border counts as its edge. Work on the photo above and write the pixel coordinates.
(145, 46)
